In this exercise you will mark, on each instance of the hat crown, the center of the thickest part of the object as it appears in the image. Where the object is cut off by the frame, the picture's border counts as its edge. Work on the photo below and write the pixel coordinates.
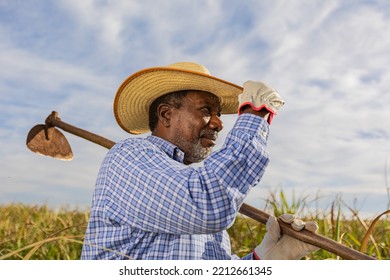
(190, 66)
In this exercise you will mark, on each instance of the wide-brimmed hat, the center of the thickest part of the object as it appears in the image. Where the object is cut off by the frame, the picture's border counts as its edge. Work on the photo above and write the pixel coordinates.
(137, 92)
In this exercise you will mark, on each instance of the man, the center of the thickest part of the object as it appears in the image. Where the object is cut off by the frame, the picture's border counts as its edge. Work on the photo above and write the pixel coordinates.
(150, 203)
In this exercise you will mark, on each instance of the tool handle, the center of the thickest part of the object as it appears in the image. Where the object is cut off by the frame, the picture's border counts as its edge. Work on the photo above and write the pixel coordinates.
(54, 120)
(307, 236)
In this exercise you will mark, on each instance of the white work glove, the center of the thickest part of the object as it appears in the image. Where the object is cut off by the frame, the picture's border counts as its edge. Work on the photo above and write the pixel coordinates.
(277, 246)
(259, 95)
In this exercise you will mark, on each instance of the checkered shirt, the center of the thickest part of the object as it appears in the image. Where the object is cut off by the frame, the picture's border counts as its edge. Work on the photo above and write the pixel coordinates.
(148, 205)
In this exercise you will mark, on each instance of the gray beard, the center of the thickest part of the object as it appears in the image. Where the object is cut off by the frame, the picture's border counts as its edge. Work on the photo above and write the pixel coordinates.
(197, 153)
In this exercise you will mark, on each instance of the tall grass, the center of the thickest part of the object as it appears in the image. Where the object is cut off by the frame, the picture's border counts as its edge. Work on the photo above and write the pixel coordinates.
(41, 233)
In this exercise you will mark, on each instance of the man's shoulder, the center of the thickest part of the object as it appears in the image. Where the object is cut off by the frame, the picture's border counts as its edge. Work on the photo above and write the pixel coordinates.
(133, 144)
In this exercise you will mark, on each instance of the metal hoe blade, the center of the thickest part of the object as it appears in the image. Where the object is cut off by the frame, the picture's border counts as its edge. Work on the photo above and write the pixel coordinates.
(49, 141)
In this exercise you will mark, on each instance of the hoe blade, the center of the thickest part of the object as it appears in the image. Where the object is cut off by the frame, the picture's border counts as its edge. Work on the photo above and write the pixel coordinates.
(49, 141)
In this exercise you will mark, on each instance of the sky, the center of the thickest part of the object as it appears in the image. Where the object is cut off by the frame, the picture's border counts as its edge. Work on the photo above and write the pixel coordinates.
(329, 60)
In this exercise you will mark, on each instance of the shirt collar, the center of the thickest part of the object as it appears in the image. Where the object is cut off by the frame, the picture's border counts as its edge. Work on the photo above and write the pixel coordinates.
(171, 150)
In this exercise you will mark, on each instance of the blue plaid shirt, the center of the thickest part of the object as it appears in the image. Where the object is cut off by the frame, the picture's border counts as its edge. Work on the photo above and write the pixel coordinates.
(148, 205)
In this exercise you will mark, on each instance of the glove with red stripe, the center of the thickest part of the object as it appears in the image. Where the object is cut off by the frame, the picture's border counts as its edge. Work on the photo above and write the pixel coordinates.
(259, 96)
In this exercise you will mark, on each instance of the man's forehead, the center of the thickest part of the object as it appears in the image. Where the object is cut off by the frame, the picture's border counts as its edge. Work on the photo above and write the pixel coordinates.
(204, 98)
(204, 95)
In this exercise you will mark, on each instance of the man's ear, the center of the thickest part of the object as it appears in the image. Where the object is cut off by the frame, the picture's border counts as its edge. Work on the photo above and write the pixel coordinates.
(164, 113)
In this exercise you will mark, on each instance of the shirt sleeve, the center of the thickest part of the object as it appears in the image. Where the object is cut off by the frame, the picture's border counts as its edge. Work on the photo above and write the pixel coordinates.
(148, 190)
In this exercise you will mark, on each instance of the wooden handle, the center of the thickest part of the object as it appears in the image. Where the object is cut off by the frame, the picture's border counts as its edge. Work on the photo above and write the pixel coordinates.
(307, 236)
(54, 120)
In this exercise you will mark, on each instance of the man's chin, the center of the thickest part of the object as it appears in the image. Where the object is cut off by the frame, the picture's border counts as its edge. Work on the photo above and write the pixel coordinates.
(199, 157)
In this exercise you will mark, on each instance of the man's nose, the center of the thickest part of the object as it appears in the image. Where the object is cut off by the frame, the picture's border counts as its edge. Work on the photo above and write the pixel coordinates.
(216, 123)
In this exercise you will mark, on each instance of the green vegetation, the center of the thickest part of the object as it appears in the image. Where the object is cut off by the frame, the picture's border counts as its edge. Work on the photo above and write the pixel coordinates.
(40, 233)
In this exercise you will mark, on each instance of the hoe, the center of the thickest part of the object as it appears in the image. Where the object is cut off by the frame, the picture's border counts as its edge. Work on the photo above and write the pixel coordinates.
(46, 139)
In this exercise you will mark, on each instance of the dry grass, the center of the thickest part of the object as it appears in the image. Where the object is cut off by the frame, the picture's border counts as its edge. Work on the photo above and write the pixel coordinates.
(40, 233)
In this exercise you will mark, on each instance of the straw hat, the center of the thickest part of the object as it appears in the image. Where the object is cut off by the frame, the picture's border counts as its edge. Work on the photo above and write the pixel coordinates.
(137, 92)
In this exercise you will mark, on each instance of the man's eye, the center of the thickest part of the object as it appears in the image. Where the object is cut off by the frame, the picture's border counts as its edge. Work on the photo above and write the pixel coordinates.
(206, 110)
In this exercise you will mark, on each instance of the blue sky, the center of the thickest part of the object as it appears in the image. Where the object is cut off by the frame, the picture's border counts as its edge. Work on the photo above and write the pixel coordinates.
(328, 59)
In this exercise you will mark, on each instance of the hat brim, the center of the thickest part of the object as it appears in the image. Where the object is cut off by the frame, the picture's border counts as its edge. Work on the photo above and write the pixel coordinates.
(137, 92)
